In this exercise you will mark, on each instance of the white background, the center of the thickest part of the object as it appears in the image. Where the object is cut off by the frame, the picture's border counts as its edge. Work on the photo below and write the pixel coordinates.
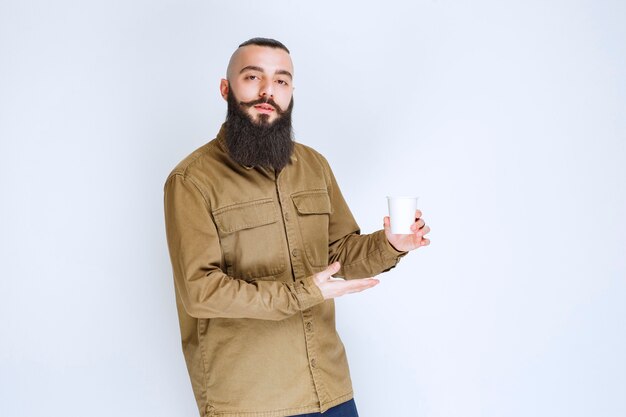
(507, 118)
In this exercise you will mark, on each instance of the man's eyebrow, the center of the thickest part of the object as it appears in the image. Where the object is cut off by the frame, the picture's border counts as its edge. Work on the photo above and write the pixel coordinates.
(285, 72)
(255, 68)
(251, 68)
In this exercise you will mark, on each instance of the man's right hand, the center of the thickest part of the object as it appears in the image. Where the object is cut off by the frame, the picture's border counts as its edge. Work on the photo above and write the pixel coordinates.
(336, 287)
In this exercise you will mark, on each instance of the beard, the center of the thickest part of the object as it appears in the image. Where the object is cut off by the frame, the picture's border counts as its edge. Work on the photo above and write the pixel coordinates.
(258, 143)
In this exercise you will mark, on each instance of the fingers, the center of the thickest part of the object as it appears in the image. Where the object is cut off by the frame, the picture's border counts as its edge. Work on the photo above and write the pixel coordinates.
(357, 285)
(418, 219)
(418, 225)
(420, 231)
(334, 289)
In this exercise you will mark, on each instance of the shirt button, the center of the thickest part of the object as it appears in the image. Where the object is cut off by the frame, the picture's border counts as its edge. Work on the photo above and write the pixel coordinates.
(287, 216)
(309, 326)
(313, 363)
(294, 253)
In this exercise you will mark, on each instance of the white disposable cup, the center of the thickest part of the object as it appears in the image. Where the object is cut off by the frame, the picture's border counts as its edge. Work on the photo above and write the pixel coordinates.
(402, 214)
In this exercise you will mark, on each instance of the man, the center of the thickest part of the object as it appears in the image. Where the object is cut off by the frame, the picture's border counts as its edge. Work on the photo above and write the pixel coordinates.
(256, 228)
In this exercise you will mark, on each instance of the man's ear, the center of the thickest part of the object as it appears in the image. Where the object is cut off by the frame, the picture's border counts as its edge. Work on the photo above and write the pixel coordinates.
(224, 87)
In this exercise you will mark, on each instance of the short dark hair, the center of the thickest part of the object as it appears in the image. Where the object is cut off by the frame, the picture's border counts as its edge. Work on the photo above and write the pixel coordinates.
(271, 43)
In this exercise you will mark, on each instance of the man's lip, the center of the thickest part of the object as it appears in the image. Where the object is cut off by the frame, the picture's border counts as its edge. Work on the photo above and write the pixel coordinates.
(264, 108)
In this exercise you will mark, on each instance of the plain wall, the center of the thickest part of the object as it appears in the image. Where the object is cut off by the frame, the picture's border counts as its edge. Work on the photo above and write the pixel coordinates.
(506, 118)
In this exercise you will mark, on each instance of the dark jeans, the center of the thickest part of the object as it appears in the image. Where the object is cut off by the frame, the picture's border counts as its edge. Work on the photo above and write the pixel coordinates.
(347, 409)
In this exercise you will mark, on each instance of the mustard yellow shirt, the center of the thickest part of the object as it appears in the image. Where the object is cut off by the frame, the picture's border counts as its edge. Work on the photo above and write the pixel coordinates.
(258, 338)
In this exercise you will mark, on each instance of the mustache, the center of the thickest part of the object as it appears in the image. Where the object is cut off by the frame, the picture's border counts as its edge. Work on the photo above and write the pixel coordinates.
(269, 101)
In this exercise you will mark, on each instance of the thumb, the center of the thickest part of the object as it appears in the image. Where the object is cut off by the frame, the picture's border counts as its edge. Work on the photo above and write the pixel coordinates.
(331, 270)
(325, 275)
(386, 223)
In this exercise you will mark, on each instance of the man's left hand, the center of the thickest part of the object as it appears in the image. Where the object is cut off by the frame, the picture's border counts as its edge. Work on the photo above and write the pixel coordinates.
(405, 243)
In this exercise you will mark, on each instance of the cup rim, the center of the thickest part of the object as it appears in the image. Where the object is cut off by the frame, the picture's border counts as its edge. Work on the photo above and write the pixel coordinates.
(402, 197)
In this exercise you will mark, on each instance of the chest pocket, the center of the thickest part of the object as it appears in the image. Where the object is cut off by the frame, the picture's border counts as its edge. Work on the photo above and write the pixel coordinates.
(252, 239)
(314, 209)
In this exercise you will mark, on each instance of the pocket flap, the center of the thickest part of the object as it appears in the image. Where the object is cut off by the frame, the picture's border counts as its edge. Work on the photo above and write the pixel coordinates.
(316, 202)
(246, 215)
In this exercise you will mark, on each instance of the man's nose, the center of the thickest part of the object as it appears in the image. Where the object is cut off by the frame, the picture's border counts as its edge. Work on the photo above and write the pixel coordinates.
(267, 89)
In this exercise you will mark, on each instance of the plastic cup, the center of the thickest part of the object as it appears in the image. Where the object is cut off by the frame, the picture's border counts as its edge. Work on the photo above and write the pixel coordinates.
(402, 214)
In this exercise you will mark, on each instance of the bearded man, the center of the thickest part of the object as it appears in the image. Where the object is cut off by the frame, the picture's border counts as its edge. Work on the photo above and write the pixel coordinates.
(256, 228)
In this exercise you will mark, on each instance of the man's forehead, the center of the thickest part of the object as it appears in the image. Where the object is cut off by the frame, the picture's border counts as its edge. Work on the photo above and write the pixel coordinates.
(267, 58)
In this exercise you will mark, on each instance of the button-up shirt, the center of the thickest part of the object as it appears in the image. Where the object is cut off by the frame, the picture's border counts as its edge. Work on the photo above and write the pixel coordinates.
(258, 338)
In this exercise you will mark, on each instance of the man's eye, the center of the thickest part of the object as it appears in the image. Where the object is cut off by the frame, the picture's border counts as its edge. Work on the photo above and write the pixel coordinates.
(282, 82)
(252, 77)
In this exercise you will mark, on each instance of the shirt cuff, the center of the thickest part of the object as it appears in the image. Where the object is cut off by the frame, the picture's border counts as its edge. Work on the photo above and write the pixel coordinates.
(307, 293)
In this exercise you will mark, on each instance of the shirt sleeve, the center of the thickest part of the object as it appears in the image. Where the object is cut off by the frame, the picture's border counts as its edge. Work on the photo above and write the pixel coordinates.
(204, 289)
(361, 256)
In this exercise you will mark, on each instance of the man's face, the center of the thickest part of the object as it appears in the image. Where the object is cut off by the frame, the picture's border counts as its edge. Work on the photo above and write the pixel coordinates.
(260, 79)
